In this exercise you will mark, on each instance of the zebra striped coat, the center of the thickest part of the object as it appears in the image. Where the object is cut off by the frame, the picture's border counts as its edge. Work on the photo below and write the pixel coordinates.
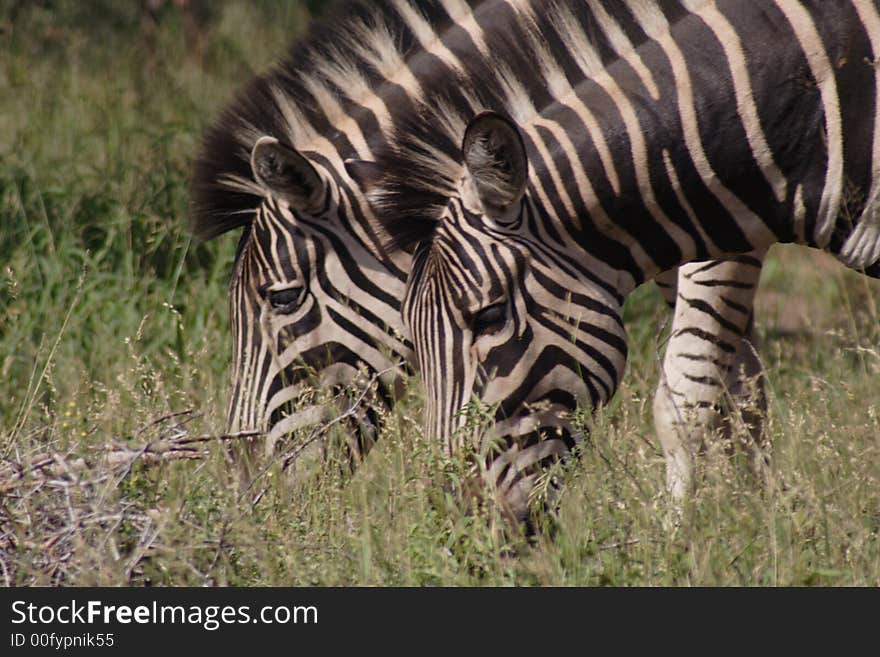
(733, 126)
(314, 299)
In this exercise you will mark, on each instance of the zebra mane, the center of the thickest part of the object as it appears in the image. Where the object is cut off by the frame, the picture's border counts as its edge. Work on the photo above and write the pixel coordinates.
(302, 100)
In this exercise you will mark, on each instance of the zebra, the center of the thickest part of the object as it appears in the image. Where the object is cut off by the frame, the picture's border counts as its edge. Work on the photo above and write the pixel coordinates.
(313, 295)
(733, 126)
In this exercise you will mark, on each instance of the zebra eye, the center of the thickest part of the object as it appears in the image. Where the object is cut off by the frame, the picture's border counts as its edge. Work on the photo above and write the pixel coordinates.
(285, 301)
(489, 320)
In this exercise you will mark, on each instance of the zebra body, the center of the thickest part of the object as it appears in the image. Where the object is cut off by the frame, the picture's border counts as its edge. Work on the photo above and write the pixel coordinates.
(314, 299)
(733, 126)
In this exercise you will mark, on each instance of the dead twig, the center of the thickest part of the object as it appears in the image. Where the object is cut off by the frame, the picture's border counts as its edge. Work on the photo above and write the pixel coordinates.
(57, 468)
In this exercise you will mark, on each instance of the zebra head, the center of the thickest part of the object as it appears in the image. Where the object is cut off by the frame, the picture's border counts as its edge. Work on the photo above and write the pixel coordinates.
(312, 308)
(499, 318)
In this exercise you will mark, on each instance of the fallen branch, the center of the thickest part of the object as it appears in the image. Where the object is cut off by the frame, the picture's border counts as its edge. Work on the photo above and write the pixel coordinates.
(53, 465)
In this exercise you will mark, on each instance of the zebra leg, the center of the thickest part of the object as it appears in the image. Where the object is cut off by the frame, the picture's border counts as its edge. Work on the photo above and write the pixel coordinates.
(711, 377)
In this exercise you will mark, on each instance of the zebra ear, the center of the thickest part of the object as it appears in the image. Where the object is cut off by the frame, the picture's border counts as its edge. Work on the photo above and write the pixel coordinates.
(364, 172)
(495, 157)
(287, 174)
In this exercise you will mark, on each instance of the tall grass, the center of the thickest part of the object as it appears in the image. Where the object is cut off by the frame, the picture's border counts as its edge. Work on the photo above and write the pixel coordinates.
(112, 320)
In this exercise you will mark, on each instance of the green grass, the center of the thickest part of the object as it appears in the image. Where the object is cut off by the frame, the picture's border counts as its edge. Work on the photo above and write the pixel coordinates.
(111, 318)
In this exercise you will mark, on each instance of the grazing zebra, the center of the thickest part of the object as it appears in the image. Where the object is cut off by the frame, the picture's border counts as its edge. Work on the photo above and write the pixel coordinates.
(313, 297)
(734, 125)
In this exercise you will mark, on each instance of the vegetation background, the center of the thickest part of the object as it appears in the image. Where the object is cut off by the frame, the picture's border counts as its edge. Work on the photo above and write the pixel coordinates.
(115, 351)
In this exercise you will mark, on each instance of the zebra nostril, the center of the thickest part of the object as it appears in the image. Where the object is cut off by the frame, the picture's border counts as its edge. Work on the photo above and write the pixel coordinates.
(489, 320)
